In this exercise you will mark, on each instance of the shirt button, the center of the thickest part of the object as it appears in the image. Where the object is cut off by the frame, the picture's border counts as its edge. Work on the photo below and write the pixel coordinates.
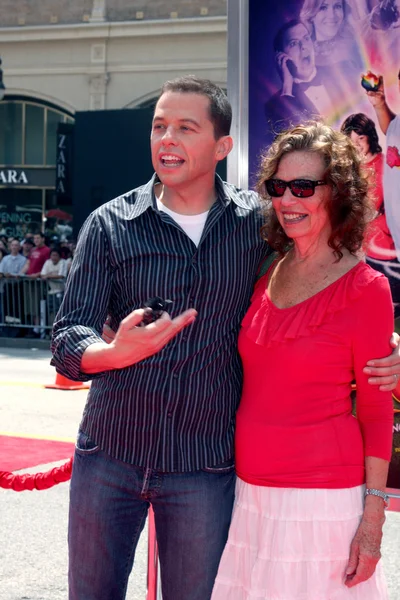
(184, 339)
(169, 415)
(175, 375)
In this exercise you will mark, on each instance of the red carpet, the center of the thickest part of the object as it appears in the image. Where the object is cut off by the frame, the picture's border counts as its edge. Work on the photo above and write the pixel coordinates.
(21, 453)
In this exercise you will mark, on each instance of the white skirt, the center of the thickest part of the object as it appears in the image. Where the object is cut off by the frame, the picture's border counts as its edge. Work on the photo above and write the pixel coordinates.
(293, 544)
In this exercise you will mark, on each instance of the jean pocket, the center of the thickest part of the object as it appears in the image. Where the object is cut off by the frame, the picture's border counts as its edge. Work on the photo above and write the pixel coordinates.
(222, 469)
(85, 445)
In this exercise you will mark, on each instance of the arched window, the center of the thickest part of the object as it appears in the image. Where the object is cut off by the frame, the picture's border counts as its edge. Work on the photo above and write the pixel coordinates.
(28, 131)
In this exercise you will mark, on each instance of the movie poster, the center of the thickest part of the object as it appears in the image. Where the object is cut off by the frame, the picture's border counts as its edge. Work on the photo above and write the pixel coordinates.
(338, 60)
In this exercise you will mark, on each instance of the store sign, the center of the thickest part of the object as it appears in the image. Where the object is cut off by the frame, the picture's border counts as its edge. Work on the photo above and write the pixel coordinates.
(64, 162)
(30, 177)
(13, 176)
(15, 221)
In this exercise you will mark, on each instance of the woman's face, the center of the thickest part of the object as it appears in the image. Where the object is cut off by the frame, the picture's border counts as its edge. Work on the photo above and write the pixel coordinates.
(328, 19)
(361, 142)
(305, 218)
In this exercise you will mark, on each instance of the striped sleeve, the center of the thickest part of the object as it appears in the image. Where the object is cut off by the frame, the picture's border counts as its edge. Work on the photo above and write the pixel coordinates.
(80, 320)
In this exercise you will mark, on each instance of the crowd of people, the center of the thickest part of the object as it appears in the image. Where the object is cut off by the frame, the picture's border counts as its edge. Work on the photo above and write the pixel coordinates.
(31, 270)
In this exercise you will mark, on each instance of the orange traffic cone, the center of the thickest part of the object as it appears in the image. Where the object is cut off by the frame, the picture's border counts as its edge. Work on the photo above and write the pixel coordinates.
(63, 383)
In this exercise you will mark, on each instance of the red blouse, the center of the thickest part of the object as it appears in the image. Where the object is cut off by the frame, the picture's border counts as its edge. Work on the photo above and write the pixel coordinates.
(294, 425)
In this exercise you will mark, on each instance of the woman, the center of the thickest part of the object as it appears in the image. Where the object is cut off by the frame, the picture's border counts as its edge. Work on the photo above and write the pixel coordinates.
(301, 527)
(333, 36)
(380, 248)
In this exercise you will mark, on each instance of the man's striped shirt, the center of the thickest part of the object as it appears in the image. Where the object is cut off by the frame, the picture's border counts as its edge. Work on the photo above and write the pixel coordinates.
(174, 411)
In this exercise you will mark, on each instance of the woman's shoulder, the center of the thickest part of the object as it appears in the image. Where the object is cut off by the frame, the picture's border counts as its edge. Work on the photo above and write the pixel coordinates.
(368, 281)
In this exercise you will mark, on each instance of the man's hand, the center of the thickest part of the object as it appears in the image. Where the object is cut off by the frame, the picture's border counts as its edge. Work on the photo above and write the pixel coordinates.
(132, 344)
(377, 98)
(282, 60)
(385, 371)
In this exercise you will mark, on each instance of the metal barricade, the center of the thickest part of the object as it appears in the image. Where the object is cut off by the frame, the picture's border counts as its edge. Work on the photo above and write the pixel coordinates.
(29, 305)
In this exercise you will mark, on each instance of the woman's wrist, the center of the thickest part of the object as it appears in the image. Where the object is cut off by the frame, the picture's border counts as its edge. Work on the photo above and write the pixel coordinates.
(374, 510)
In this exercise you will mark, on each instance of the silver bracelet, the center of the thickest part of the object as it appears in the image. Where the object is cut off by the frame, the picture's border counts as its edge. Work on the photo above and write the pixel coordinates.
(379, 493)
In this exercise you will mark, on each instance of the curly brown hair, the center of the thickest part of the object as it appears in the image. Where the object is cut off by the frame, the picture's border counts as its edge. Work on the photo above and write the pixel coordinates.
(349, 208)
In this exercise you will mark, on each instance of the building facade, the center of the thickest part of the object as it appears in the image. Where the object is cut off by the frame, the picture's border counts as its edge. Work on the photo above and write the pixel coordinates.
(61, 57)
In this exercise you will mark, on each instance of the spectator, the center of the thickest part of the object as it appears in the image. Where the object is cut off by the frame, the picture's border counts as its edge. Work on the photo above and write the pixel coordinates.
(11, 267)
(13, 263)
(27, 246)
(33, 293)
(38, 256)
(55, 271)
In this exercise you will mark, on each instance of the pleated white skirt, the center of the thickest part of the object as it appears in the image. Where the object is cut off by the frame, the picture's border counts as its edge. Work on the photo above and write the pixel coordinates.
(293, 544)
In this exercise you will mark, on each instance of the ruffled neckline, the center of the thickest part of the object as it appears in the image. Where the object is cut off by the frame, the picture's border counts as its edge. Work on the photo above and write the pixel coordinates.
(265, 323)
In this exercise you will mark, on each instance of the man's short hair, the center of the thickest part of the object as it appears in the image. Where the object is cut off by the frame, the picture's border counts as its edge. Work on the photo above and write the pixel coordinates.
(220, 107)
(279, 39)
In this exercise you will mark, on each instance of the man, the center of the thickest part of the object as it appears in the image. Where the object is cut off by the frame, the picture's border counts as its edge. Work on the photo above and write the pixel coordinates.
(13, 263)
(55, 271)
(38, 256)
(390, 126)
(301, 93)
(33, 290)
(158, 425)
(27, 247)
(11, 291)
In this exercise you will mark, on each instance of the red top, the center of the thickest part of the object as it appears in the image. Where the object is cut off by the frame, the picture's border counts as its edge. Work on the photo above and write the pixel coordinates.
(37, 258)
(294, 424)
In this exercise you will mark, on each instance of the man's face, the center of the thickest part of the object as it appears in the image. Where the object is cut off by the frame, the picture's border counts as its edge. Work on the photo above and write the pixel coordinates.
(183, 146)
(299, 46)
(14, 247)
(55, 258)
(38, 240)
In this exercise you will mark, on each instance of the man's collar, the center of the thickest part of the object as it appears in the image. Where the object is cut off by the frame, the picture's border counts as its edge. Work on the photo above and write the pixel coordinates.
(145, 196)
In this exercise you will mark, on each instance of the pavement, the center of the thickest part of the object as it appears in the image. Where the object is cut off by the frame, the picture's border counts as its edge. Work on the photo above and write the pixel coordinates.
(33, 525)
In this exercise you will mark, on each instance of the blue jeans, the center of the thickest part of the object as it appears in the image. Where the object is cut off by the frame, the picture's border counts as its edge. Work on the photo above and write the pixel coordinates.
(109, 501)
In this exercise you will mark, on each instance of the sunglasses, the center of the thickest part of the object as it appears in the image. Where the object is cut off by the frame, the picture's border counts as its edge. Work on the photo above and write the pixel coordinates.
(301, 188)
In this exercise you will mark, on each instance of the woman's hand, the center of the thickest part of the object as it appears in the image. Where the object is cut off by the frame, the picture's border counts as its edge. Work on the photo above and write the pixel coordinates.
(365, 550)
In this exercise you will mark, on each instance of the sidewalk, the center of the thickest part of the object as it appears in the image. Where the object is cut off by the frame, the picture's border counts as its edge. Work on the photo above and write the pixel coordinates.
(33, 526)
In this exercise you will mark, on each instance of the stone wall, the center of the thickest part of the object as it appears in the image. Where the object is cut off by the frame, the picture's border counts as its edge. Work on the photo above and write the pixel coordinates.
(14, 13)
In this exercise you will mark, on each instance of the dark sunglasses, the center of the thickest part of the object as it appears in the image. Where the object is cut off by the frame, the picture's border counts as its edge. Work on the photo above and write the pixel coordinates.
(301, 188)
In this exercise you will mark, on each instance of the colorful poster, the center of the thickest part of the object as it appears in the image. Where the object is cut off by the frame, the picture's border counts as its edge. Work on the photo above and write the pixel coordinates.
(336, 60)
(324, 59)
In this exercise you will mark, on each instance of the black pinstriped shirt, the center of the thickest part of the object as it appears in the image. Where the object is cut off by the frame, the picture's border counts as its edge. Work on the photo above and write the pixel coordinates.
(174, 411)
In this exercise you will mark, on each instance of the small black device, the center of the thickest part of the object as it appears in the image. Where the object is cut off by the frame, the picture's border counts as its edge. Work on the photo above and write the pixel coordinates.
(153, 309)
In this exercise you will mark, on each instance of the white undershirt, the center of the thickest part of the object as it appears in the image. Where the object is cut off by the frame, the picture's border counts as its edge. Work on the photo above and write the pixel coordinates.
(192, 225)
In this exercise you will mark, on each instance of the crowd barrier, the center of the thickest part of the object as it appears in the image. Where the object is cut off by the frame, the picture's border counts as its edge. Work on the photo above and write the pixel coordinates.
(28, 305)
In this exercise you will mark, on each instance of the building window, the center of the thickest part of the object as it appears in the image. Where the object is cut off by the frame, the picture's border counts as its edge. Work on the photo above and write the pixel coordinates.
(34, 135)
(10, 133)
(28, 132)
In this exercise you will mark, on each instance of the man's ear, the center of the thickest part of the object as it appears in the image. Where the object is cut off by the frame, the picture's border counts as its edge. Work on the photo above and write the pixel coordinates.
(224, 146)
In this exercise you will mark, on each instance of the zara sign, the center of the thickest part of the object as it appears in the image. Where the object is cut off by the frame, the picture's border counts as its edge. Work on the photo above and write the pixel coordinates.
(13, 176)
